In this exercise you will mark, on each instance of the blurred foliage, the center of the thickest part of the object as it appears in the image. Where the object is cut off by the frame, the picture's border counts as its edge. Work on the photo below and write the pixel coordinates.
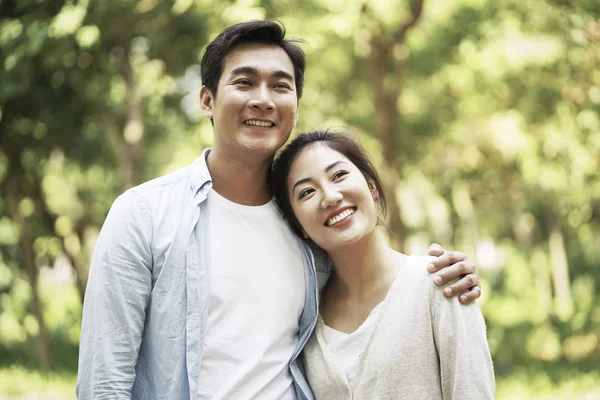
(495, 114)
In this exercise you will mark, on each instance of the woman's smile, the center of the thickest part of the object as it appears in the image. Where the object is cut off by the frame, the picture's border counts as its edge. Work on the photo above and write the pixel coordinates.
(340, 217)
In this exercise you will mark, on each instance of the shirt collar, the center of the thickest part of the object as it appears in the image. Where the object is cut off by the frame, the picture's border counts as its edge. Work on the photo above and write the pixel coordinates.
(200, 178)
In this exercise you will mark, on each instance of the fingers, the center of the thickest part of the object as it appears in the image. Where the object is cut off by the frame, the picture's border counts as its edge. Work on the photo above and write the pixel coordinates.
(436, 250)
(447, 261)
(463, 286)
(470, 295)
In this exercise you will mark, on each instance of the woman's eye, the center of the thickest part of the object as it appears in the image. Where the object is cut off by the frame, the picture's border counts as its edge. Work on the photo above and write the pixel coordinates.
(304, 193)
(339, 174)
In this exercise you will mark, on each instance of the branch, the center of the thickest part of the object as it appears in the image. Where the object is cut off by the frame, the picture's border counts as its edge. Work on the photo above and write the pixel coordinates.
(413, 18)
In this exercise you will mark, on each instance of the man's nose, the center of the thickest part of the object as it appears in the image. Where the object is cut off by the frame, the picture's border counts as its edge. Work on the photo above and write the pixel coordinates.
(262, 99)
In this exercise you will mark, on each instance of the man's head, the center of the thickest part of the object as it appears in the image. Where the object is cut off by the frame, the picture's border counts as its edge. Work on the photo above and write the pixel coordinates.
(265, 32)
(252, 81)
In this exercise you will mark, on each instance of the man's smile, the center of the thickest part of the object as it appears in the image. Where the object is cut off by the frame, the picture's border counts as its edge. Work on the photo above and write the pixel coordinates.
(260, 123)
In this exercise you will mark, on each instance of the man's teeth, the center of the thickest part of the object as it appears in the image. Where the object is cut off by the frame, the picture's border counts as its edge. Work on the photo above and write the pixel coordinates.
(262, 124)
(344, 214)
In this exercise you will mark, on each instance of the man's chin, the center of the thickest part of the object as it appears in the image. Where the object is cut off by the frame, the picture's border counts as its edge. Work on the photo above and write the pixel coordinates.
(264, 146)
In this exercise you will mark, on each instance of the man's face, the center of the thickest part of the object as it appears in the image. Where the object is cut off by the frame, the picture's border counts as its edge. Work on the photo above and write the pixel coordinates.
(256, 106)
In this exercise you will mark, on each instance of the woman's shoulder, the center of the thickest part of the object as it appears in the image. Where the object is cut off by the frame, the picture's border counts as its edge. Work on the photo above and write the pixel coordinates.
(416, 266)
(413, 279)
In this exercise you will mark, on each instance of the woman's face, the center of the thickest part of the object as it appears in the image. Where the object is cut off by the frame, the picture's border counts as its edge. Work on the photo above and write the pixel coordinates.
(330, 197)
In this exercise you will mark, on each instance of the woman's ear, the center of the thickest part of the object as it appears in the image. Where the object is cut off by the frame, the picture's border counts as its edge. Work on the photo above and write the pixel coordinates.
(374, 191)
(300, 229)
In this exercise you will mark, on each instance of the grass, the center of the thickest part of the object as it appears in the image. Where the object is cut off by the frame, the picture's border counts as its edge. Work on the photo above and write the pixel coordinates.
(24, 384)
(524, 384)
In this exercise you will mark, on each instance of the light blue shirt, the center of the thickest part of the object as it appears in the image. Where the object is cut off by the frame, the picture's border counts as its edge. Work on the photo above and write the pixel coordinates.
(146, 302)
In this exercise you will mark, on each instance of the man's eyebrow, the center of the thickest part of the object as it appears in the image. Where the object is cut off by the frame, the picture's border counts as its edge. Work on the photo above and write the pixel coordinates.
(244, 70)
(327, 169)
(253, 71)
(284, 75)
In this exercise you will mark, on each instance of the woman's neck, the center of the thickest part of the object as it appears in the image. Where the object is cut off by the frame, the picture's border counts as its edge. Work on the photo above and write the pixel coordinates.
(364, 267)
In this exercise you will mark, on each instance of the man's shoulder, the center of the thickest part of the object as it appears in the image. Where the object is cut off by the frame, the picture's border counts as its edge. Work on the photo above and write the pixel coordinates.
(191, 176)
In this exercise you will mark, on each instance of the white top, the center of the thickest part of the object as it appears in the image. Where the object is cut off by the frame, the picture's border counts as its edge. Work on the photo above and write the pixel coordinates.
(257, 296)
(347, 347)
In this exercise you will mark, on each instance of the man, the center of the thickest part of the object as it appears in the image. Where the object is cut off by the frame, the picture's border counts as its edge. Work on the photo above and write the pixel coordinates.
(197, 288)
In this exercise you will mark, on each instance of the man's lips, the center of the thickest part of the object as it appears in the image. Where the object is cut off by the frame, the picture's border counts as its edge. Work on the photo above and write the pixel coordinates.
(339, 215)
(261, 123)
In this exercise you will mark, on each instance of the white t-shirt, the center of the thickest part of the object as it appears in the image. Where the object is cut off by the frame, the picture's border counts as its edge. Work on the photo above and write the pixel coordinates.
(257, 296)
(347, 347)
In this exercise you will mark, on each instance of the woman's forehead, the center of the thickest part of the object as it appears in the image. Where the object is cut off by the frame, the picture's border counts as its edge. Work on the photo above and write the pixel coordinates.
(315, 159)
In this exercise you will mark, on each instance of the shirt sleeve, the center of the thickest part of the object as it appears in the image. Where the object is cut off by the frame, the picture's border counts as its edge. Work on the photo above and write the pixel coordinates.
(116, 297)
(466, 368)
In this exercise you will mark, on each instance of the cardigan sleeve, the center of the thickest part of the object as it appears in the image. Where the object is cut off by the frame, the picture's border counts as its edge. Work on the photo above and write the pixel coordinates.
(466, 369)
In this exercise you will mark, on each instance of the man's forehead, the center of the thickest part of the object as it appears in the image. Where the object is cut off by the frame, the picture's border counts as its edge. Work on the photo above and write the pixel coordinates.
(263, 58)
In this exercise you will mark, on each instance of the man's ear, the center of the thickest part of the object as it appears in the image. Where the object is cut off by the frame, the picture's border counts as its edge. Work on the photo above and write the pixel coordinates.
(374, 191)
(297, 112)
(207, 102)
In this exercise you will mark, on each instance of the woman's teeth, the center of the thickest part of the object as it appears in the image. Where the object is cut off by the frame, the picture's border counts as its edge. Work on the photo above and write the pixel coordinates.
(343, 215)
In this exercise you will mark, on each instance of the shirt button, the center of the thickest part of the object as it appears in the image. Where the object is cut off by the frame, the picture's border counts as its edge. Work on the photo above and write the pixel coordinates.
(194, 373)
(193, 265)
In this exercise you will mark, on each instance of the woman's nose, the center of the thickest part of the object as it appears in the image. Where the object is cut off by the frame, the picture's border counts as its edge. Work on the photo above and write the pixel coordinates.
(331, 197)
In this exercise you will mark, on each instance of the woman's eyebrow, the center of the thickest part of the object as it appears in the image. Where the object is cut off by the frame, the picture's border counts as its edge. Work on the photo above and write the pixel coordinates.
(333, 164)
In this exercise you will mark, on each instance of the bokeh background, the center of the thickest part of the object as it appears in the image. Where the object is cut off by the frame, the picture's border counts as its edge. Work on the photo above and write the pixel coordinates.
(483, 116)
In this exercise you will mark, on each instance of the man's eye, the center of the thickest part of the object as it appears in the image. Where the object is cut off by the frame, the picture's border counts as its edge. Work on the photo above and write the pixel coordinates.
(283, 86)
(242, 82)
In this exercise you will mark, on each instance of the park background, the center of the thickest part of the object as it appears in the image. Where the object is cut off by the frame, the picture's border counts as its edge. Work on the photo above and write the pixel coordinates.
(483, 116)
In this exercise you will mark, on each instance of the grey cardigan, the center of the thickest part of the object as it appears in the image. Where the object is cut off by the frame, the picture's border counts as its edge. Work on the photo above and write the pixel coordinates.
(423, 346)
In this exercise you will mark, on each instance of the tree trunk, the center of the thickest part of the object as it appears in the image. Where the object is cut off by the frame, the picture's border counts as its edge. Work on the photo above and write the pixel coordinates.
(28, 257)
(134, 127)
(387, 74)
(389, 132)
(126, 142)
(560, 273)
(78, 268)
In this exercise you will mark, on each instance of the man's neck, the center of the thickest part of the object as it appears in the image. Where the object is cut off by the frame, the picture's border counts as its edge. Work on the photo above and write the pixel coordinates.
(241, 181)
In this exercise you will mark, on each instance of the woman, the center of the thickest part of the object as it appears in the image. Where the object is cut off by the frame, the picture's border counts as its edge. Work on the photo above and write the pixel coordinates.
(383, 331)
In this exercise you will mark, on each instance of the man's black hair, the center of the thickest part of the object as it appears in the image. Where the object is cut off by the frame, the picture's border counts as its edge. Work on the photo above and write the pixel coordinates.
(266, 32)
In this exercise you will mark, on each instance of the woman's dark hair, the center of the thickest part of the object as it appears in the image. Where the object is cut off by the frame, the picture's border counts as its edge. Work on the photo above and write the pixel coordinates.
(267, 32)
(341, 142)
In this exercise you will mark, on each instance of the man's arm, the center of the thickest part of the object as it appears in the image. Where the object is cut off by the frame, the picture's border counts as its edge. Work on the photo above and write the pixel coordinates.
(116, 297)
(452, 265)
